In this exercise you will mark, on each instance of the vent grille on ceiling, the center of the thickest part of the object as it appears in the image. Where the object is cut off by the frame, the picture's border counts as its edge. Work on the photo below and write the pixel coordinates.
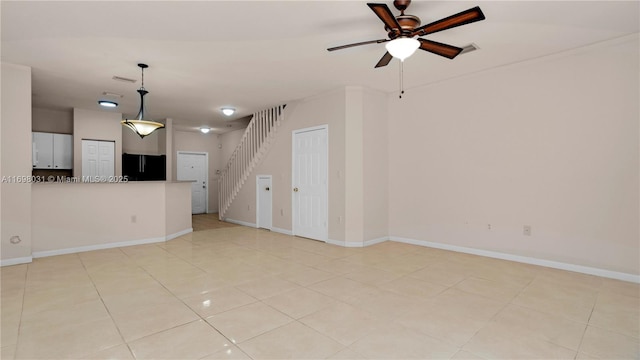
(469, 48)
(112, 94)
(120, 78)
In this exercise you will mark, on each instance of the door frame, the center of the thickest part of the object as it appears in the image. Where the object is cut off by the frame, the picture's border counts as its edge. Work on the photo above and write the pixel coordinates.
(324, 127)
(258, 177)
(206, 170)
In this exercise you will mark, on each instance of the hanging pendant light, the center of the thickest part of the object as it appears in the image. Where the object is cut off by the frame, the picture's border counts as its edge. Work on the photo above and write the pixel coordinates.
(139, 125)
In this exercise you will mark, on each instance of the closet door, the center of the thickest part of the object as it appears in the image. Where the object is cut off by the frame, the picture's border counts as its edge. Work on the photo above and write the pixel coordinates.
(98, 159)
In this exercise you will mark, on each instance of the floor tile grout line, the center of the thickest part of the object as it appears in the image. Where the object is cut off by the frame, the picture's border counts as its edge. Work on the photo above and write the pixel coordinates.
(24, 294)
(200, 318)
(377, 286)
(106, 307)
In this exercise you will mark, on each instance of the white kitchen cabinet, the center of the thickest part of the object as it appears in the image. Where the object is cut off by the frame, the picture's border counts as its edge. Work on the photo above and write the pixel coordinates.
(62, 151)
(52, 151)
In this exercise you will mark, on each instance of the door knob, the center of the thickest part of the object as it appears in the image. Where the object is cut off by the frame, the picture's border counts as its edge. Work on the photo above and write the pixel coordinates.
(266, 188)
(295, 189)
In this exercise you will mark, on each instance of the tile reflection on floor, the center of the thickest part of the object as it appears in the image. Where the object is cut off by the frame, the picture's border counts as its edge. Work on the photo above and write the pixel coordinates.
(241, 293)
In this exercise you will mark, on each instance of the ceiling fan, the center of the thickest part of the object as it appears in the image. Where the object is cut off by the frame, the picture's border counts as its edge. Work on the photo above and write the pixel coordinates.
(402, 29)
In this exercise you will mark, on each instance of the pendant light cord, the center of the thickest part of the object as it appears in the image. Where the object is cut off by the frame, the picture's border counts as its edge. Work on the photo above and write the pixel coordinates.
(142, 84)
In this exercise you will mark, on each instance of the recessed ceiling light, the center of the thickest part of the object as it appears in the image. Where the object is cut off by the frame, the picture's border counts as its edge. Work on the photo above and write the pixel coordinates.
(205, 130)
(228, 111)
(107, 103)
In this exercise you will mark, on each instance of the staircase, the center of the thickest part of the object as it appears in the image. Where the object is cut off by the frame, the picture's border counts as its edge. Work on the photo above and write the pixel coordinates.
(254, 144)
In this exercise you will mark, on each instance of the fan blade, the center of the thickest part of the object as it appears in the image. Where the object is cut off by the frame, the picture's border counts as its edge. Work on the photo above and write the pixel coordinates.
(462, 18)
(383, 12)
(357, 44)
(441, 49)
(384, 61)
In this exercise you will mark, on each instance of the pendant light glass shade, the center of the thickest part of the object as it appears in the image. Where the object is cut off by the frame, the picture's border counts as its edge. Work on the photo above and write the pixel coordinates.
(402, 48)
(139, 125)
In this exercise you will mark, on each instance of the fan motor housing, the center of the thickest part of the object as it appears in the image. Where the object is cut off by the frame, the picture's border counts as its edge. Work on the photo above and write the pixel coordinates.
(407, 24)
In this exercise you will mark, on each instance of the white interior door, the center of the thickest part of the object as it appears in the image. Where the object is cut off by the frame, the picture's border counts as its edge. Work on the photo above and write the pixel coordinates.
(98, 158)
(264, 199)
(310, 183)
(107, 158)
(193, 167)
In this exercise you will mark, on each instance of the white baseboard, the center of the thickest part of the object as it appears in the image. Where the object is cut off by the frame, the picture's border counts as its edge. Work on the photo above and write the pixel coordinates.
(178, 234)
(376, 241)
(238, 222)
(356, 244)
(282, 231)
(40, 254)
(524, 259)
(16, 261)
(337, 242)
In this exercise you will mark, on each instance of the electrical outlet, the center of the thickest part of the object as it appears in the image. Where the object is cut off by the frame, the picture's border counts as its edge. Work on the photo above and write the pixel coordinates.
(526, 230)
(488, 226)
(134, 219)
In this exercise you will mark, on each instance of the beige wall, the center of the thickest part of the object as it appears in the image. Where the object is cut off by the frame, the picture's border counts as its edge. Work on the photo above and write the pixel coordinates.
(96, 125)
(53, 121)
(199, 142)
(375, 166)
(165, 146)
(229, 141)
(72, 216)
(178, 207)
(551, 143)
(133, 144)
(354, 166)
(358, 191)
(15, 160)
(328, 108)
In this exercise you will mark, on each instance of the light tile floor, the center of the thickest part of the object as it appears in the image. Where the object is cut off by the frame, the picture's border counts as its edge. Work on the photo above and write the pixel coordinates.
(242, 293)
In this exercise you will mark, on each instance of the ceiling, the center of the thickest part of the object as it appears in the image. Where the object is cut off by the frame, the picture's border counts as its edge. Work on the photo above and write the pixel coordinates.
(252, 55)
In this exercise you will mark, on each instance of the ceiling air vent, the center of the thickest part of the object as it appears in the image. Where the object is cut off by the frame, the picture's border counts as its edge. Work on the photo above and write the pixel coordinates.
(120, 78)
(112, 94)
(469, 48)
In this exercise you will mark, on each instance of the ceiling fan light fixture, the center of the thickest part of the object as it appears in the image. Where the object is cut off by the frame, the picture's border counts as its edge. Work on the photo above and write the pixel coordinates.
(402, 48)
(139, 125)
(228, 111)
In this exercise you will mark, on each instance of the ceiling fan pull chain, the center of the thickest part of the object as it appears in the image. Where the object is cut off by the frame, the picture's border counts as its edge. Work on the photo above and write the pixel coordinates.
(401, 79)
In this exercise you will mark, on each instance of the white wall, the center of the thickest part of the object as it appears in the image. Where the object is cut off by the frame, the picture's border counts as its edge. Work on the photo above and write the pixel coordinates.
(15, 162)
(551, 143)
(96, 125)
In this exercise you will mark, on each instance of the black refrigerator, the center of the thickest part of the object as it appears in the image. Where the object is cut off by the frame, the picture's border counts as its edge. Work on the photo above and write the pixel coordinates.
(144, 167)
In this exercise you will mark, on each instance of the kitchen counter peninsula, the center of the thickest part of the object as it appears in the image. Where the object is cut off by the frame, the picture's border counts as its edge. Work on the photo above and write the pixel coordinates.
(70, 217)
